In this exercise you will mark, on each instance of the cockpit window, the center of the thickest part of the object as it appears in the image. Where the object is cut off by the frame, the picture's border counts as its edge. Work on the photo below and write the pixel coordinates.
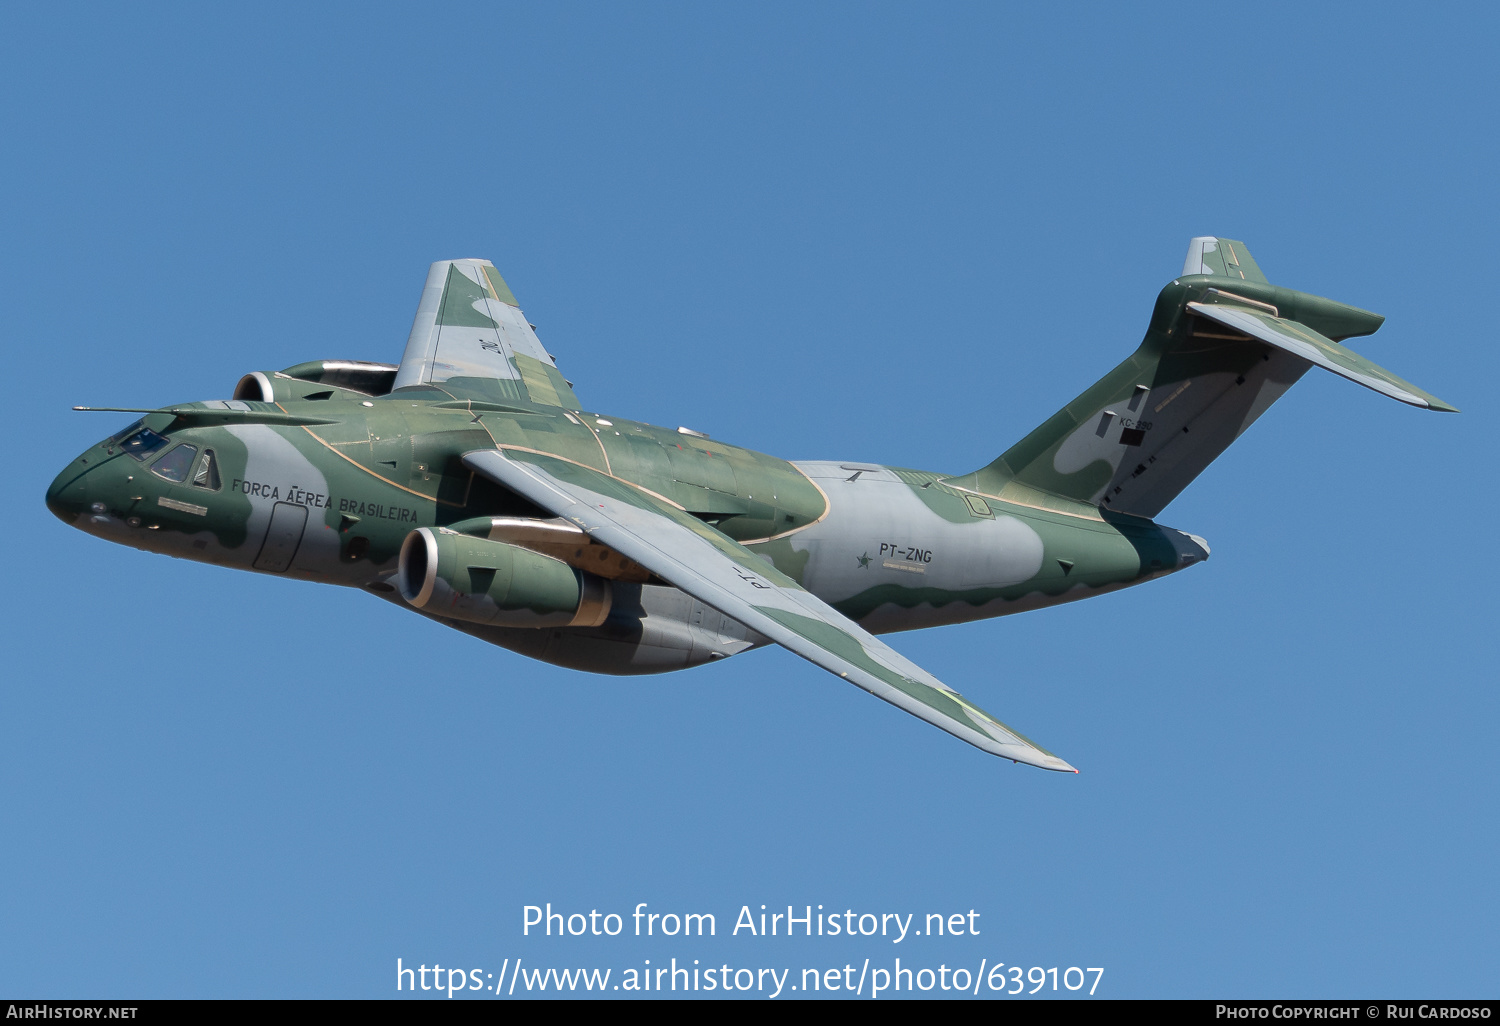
(143, 443)
(208, 472)
(174, 466)
(114, 439)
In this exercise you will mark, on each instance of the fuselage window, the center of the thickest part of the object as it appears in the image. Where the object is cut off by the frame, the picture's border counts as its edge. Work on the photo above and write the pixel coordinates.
(208, 472)
(143, 443)
(174, 466)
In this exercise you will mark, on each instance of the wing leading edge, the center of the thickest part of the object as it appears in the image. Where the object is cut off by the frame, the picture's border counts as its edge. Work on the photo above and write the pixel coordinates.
(720, 572)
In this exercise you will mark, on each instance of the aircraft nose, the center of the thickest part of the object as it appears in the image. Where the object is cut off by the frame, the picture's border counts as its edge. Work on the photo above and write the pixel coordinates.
(68, 498)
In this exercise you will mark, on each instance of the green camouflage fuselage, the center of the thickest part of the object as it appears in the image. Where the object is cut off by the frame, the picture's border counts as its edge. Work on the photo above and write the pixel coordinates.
(468, 485)
(330, 488)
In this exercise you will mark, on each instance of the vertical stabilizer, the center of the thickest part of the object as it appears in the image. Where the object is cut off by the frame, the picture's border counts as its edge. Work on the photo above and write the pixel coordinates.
(1222, 346)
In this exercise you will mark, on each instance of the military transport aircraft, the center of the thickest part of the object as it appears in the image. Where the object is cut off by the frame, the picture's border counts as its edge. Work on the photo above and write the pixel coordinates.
(470, 484)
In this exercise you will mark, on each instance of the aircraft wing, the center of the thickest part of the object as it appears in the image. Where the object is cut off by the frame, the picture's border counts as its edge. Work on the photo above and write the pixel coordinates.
(470, 338)
(718, 571)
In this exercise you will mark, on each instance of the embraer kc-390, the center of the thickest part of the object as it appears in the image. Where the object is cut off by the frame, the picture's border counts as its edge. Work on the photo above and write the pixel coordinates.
(469, 484)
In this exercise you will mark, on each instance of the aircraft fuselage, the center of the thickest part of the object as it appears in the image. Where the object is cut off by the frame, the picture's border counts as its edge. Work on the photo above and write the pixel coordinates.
(333, 498)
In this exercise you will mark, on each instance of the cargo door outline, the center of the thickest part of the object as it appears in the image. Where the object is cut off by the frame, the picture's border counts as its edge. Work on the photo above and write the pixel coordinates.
(283, 538)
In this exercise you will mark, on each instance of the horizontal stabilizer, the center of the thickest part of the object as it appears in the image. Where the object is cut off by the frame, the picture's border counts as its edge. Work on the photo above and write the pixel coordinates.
(1300, 340)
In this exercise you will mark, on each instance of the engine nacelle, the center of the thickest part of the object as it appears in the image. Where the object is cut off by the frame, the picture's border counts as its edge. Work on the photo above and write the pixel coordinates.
(652, 628)
(257, 387)
(444, 573)
(357, 379)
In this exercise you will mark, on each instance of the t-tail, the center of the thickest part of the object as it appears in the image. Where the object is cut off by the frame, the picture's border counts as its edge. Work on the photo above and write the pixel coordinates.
(1222, 346)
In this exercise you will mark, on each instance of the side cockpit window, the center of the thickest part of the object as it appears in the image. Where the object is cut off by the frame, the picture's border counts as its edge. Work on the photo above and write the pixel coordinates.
(143, 443)
(207, 475)
(174, 466)
(119, 436)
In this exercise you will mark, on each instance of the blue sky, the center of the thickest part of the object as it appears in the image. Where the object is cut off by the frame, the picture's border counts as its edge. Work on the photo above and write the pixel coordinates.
(905, 234)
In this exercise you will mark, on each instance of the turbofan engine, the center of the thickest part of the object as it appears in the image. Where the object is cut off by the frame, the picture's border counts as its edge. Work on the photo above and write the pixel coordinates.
(489, 582)
(360, 378)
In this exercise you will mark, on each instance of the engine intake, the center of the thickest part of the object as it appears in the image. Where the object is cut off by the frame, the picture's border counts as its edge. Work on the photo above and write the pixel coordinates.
(353, 379)
(491, 582)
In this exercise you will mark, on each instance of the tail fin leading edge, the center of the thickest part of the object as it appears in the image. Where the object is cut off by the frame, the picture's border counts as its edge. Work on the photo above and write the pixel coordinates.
(1222, 346)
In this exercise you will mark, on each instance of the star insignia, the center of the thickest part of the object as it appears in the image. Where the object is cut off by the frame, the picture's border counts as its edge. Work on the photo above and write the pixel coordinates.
(864, 561)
